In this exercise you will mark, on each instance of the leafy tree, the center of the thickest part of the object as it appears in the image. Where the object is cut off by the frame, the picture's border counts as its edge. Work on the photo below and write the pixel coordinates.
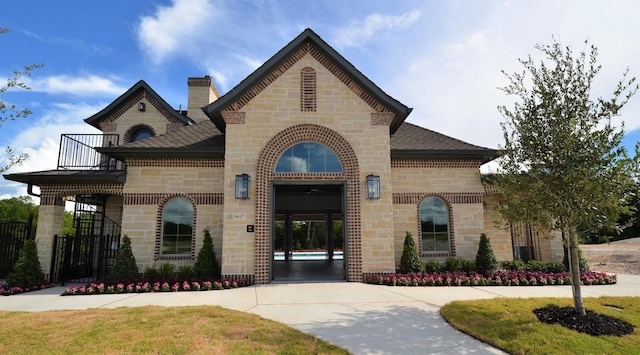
(410, 260)
(27, 271)
(206, 263)
(125, 267)
(10, 111)
(563, 166)
(18, 209)
(485, 258)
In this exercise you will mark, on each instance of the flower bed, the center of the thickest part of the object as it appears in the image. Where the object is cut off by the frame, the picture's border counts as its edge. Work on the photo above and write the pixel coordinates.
(97, 288)
(8, 291)
(498, 278)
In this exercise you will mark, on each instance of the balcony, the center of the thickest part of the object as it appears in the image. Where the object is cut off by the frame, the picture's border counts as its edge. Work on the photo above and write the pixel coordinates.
(78, 152)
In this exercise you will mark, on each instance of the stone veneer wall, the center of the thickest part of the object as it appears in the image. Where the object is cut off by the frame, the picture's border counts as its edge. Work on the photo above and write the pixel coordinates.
(273, 110)
(153, 182)
(455, 182)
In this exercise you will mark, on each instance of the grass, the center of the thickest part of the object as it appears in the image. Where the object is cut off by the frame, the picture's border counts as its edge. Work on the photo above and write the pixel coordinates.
(510, 325)
(153, 330)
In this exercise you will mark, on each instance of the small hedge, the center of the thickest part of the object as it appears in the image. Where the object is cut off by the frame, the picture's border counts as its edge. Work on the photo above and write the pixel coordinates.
(498, 278)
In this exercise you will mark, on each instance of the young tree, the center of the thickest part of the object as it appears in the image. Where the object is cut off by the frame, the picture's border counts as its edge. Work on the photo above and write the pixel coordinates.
(485, 258)
(10, 111)
(563, 166)
(125, 267)
(206, 263)
(410, 260)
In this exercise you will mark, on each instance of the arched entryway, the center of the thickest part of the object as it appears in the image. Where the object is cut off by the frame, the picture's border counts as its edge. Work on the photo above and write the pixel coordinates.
(266, 177)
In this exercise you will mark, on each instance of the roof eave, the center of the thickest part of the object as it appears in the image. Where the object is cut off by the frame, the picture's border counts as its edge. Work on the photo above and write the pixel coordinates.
(484, 156)
(117, 177)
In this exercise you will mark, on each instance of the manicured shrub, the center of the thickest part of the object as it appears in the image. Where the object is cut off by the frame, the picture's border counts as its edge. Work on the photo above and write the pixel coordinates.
(27, 271)
(410, 260)
(151, 273)
(452, 264)
(432, 266)
(207, 265)
(167, 271)
(514, 265)
(468, 266)
(185, 272)
(485, 258)
(125, 267)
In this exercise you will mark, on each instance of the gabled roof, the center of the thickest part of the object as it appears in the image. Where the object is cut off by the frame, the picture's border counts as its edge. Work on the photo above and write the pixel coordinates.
(415, 142)
(199, 140)
(151, 95)
(250, 84)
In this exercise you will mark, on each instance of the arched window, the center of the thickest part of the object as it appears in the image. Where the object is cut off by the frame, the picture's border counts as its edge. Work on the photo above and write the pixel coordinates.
(140, 133)
(434, 225)
(177, 226)
(308, 157)
(308, 89)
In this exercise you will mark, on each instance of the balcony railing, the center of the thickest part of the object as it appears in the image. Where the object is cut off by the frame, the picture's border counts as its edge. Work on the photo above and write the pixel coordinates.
(78, 152)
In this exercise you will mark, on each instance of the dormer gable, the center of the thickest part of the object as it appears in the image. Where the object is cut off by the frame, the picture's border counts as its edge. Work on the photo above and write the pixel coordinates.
(139, 112)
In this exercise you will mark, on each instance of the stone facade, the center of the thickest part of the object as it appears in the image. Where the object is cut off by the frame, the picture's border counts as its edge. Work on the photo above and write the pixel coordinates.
(309, 95)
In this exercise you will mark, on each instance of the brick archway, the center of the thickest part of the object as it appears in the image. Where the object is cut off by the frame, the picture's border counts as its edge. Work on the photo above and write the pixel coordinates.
(267, 160)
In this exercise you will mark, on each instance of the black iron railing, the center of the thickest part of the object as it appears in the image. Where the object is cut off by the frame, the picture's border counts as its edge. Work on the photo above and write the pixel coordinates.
(78, 152)
(12, 237)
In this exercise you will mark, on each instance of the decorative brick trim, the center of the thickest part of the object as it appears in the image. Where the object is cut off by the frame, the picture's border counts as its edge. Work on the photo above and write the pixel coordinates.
(308, 97)
(157, 198)
(442, 164)
(78, 189)
(158, 244)
(381, 118)
(410, 198)
(452, 234)
(176, 163)
(317, 54)
(233, 117)
(130, 130)
(267, 160)
(203, 82)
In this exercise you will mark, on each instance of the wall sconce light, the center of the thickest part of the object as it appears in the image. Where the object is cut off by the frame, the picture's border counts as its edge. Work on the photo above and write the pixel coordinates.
(373, 187)
(141, 107)
(242, 187)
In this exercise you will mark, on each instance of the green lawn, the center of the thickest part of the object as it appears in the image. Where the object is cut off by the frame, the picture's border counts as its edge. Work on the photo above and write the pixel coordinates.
(509, 324)
(153, 330)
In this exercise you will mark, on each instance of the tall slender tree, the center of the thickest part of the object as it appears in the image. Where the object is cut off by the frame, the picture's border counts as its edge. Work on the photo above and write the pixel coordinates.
(563, 166)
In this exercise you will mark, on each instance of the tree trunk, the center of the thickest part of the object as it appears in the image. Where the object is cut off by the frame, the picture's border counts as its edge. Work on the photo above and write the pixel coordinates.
(574, 268)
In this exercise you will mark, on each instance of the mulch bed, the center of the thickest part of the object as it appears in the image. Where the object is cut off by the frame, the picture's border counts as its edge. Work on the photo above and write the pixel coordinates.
(592, 323)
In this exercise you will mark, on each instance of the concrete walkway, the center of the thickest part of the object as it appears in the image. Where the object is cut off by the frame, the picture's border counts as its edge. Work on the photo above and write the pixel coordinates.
(365, 319)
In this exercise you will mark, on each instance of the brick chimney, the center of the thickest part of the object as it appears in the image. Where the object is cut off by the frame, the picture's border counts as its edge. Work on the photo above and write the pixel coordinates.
(202, 92)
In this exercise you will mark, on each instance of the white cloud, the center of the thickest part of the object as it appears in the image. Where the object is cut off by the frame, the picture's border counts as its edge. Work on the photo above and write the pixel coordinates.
(82, 85)
(361, 31)
(173, 29)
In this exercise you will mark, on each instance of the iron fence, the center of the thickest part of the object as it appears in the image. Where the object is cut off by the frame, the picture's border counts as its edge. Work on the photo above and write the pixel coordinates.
(12, 237)
(78, 152)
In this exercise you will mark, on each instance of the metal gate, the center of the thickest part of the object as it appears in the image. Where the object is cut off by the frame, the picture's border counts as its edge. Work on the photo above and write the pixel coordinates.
(525, 241)
(90, 253)
(83, 258)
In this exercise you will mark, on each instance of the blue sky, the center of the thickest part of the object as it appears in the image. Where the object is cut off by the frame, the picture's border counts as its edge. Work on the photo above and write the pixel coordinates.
(443, 58)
